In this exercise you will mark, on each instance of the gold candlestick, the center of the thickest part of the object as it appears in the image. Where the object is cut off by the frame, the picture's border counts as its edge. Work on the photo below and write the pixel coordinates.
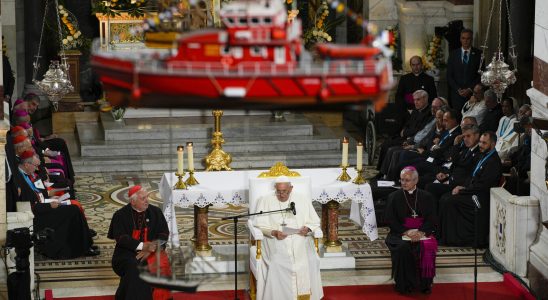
(191, 180)
(359, 178)
(344, 175)
(180, 185)
(218, 159)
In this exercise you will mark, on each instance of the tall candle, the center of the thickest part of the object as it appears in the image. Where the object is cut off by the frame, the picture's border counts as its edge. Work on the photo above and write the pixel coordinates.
(190, 152)
(180, 160)
(345, 152)
(359, 159)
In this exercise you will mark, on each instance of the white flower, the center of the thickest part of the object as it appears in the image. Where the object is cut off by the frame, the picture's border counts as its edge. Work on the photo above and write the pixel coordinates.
(70, 38)
(133, 1)
(60, 7)
(65, 41)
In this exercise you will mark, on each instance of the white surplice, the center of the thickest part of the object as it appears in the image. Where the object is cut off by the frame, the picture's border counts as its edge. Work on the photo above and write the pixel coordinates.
(292, 266)
(507, 138)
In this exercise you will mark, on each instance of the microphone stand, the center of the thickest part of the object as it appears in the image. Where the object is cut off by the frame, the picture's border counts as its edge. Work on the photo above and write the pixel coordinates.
(235, 219)
(476, 207)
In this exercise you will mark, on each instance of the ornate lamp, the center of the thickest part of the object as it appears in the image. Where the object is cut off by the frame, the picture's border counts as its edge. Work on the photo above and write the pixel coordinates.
(498, 75)
(56, 82)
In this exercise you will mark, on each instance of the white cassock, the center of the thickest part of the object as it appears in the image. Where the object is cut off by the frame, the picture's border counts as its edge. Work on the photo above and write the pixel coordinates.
(292, 266)
(507, 139)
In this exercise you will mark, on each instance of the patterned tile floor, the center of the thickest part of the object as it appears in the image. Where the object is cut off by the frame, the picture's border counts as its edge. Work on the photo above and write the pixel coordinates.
(103, 193)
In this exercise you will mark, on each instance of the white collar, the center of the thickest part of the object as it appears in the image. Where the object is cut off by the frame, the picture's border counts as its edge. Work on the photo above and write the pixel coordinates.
(412, 191)
(474, 148)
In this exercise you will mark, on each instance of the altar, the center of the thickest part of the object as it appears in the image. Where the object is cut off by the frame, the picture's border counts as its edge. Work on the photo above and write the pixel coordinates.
(220, 189)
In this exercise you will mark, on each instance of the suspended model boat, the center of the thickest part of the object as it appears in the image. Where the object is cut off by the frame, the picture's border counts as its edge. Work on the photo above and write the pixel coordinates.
(256, 61)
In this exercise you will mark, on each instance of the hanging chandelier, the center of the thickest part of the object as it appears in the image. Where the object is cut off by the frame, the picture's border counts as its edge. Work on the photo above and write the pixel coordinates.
(56, 82)
(498, 75)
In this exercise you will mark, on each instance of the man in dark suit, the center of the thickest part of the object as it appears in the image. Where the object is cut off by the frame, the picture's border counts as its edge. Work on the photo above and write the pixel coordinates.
(494, 112)
(456, 209)
(416, 80)
(462, 70)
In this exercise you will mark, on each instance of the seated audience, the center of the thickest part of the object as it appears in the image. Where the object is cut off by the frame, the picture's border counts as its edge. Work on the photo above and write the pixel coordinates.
(437, 151)
(452, 156)
(456, 209)
(419, 118)
(459, 169)
(409, 214)
(72, 236)
(410, 142)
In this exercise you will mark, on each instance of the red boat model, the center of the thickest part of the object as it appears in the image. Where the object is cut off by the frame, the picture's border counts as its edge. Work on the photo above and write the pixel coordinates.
(256, 61)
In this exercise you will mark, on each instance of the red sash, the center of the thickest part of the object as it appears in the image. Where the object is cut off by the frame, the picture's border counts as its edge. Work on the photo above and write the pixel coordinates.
(165, 269)
(429, 249)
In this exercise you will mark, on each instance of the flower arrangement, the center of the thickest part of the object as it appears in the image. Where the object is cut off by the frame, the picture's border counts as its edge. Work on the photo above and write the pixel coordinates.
(433, 59)
(135, 8)
(318, 32)
(395, 45)
(72, 37)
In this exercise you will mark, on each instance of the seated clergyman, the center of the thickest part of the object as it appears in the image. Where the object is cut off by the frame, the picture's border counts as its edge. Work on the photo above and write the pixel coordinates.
(409, 214)
(136, 228)
(292, 265)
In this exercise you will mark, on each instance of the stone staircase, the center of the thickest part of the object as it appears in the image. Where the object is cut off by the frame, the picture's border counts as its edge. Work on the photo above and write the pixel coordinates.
(258, 141)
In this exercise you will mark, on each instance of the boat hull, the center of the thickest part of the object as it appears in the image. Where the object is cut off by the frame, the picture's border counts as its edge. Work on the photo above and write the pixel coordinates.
(130, 85)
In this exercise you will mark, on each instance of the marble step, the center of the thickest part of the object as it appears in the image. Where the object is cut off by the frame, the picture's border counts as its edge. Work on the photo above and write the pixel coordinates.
(188, 128)
(92, 144)
(263, 160)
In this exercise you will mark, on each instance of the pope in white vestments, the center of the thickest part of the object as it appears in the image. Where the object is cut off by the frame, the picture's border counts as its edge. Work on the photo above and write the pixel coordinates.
(292, 266)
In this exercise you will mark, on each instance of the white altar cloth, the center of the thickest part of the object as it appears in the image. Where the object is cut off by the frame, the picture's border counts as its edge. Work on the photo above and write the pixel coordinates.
(232, 187)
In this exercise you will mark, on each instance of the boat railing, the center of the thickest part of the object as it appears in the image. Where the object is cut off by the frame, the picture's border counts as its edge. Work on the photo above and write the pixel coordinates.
(327, 67)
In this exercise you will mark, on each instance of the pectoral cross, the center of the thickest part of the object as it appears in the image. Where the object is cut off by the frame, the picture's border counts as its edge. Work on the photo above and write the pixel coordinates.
(414, 214)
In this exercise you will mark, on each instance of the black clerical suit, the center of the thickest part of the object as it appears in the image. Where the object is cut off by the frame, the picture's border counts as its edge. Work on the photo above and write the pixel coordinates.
(124, 262)
(456, 212)
(408, 84)
(462, 75)
(404, 254)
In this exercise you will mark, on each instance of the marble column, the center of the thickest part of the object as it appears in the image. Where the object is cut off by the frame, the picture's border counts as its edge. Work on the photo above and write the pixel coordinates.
(324, 220)
(538, 264)
(332, 243)
(201, 245)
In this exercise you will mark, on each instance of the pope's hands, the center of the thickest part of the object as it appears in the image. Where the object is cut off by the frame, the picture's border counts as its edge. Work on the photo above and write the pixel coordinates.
(278, 234)
(304, 231)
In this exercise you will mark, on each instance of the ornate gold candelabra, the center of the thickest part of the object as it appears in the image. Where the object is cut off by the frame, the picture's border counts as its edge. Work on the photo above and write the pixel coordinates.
(191, 180)
(344, 175)
(180, 185)
(218, 159)
(359, 178)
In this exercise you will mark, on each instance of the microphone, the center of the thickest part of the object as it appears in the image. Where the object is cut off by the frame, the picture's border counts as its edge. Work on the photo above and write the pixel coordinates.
(476, 201)
(292, 208)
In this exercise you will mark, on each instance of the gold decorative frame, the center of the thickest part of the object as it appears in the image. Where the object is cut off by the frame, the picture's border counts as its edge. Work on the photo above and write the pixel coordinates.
(279, 169)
